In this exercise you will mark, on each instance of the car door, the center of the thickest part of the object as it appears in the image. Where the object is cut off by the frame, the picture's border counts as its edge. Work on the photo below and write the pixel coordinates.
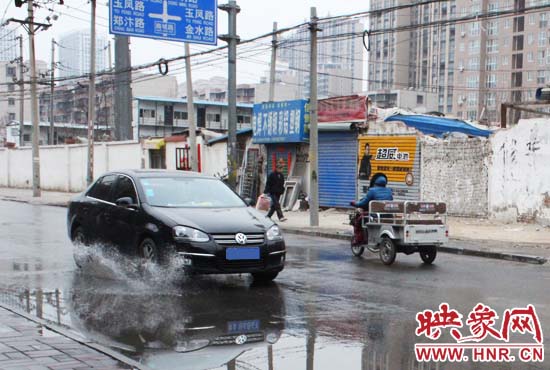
(123, 221)
(99, 203)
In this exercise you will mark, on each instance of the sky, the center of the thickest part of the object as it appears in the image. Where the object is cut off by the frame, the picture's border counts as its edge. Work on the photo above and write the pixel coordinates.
(256, 18)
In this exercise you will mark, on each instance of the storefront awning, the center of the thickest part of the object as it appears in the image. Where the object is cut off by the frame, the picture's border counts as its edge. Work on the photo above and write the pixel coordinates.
(153, 144)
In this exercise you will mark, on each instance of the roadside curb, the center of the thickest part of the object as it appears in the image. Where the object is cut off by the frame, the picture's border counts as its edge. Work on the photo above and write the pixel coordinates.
(67, 334)
(445, 249)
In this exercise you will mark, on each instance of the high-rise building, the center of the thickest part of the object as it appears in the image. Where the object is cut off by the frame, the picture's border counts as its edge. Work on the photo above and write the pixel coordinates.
(9, 46)
(74, 53)
(340, 58)
(473, 66)
(421, 58)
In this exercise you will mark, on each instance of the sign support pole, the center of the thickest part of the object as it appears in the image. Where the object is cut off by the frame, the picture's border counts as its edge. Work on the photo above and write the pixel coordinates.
(191, 110)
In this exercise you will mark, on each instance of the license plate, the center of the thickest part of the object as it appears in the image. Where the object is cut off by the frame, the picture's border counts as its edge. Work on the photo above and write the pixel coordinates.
(244, 253)
(248, 326)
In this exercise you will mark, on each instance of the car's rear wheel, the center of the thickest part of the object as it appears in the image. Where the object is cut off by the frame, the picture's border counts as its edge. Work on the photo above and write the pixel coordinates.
(264, 277)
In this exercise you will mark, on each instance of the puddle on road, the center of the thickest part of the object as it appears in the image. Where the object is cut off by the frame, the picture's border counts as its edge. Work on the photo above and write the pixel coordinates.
(167, 321)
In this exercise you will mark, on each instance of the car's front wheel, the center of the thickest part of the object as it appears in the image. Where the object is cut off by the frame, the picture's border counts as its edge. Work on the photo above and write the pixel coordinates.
(148, 251)
(264, 277)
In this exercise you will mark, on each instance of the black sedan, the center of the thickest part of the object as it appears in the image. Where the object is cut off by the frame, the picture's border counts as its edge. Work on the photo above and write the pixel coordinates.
(161, 215)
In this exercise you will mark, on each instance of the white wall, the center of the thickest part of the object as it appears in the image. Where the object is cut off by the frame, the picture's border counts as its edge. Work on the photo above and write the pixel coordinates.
(519, 174)
(63, 168)
(215, 159)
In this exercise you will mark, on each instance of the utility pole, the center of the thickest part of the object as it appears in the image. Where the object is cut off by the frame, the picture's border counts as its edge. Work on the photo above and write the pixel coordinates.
(109, 56)
(123, 93)
(273, 63)
(34, 107)
(91, 99)
(232, 39)
(313, 138)
(191, 110)
(21, 95)
(51, 94)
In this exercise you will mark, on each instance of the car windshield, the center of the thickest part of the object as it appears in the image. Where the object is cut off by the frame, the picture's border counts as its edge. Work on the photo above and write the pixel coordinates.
(189, 192)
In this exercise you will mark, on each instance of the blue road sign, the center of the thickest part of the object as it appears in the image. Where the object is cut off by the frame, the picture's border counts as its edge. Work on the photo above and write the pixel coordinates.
(193, 21)
(281, 122)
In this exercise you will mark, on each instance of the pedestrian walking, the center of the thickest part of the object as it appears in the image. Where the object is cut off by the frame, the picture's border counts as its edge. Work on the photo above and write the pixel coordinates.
(275, 187)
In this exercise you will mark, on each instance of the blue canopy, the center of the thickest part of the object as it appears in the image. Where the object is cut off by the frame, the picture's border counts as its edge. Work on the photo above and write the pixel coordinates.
(438, 125)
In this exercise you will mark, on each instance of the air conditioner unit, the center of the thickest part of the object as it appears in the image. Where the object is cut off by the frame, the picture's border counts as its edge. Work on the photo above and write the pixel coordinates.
(463, 34)
(461, 68)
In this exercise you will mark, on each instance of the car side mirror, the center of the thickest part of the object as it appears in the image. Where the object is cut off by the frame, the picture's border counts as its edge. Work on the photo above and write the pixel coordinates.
(249, 202)
(125, 202)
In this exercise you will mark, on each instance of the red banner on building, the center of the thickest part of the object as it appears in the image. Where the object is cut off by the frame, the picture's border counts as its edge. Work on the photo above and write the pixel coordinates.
(343, 108)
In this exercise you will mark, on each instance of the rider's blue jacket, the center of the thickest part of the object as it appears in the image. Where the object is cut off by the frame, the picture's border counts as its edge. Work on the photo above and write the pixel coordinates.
(378, 192)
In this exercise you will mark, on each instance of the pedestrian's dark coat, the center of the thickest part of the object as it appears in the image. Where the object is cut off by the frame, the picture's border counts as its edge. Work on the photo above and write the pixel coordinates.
(275, 183)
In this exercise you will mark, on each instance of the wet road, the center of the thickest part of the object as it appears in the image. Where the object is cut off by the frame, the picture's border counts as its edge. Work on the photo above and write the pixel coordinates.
(327, 310)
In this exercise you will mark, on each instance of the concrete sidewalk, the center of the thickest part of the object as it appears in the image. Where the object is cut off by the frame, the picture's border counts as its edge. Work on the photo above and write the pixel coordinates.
(30, 343)
(478, 237)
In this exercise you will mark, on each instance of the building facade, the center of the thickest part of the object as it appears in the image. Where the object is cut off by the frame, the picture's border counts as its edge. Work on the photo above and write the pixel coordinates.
(155, 116)
(74, 53)
(9, 44)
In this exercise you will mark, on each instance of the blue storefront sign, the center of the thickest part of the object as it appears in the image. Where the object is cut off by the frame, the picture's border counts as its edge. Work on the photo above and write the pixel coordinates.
(193, 21)
(281, 122)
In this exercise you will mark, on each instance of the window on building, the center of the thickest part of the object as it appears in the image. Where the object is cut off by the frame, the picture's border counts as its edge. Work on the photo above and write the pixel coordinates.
(541, 76)
(530, 39)
(180, 115)
(473, 63)
(419, 100)
(472, 81)
(491, 63)
(541, 56)
(492, 46)
(492, 28)
(472, 99)
(11, 87)
(542, 39)
(213, 117)
(11, 101)
(11, 116)
(519, 24)
(530, 57)
(147, 113)
(243, 119)
(518, 43)
(543, 23)
(491, 100)
(474, 29)
(507, 23)
(530, 76)
(461, 47)
(491, 81)
(532, 19)
(10, 71)
(474, 46)
(505, 60)
(517, 61)
(27, 137)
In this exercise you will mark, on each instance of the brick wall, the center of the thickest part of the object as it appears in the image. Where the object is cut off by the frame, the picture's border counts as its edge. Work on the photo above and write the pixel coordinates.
(455, 171)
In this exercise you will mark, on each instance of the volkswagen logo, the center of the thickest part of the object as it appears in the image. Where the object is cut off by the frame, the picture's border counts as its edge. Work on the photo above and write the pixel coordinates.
(240, 238)
(241, 339)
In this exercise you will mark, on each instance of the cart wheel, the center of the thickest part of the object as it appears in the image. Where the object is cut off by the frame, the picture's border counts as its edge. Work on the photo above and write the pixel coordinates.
(356, 249)
(388, 252)
(428, 254)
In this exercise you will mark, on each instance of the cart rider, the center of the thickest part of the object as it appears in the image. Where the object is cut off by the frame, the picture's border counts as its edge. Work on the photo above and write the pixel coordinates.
(377, 191)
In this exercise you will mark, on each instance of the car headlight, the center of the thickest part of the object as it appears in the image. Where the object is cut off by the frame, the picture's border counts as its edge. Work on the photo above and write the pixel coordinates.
(190, 234)
(191, 345)
(274, 233)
